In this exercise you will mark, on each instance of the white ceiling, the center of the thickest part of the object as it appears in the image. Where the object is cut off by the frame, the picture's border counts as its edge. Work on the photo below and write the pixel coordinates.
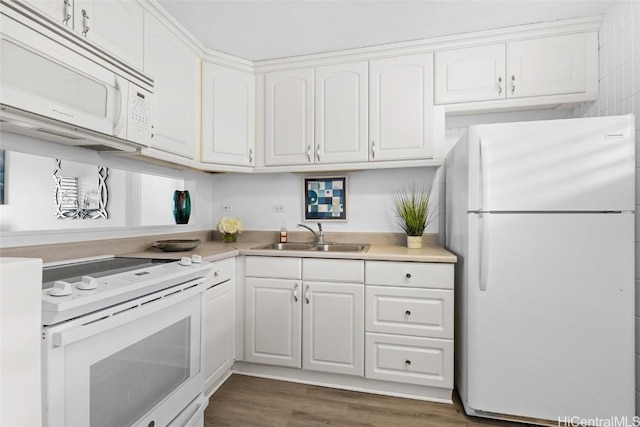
(266, 29)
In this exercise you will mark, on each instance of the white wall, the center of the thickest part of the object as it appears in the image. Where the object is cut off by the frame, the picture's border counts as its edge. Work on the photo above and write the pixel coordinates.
(620, 94)
(369, 199)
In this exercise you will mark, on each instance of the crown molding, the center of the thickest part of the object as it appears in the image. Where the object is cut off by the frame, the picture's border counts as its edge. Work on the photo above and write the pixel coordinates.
(499, 35)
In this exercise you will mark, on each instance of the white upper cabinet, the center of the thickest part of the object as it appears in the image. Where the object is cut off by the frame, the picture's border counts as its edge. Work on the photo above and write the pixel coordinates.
(546, 66)
(228, 115)
(401, 124)
(115, 25)
(59, 10)
(289, 117)
(557, 65)
(175, 70)
(470, 74)
(341, 101)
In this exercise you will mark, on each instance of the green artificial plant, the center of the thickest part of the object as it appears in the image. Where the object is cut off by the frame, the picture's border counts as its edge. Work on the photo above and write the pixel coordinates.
(411, 204)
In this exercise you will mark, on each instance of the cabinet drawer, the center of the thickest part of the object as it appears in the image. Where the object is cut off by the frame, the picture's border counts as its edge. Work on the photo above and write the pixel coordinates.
(333, 270)
(413, 360)
(410, 311)
(409, 274)
(276, 267)
(223, 270)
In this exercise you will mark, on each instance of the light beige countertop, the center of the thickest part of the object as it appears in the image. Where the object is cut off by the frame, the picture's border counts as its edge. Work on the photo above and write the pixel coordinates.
(216, 250)
(384, 246)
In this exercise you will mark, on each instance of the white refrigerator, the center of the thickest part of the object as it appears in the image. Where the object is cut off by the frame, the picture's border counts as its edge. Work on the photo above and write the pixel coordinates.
(541, 216)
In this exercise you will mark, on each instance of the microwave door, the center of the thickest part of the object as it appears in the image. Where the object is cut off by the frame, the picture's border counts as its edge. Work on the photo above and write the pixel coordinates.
(64, 86)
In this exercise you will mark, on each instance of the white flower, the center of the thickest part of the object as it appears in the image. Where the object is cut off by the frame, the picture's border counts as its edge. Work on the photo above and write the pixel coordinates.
(230, 225)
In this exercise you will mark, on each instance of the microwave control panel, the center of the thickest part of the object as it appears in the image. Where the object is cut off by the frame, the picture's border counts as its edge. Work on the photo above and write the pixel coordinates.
(139, 115)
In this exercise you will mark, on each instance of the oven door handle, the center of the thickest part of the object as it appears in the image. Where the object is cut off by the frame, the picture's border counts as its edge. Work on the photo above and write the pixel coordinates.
(127, 315)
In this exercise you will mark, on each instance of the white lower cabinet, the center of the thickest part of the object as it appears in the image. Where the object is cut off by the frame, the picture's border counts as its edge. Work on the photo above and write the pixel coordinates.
(273, 323)
(388, 322)
(409, 323)
(314, 325)
(333, 327)
(219, 323)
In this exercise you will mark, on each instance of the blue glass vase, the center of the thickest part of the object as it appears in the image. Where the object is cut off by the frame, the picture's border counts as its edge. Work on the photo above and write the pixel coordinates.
(181, 206)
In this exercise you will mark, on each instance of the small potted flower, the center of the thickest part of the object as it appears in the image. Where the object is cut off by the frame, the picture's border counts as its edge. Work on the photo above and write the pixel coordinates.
(411, 204)
(230, 227)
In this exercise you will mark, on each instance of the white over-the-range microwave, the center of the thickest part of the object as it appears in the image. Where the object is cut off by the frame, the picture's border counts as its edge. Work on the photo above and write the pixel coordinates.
(55, 85)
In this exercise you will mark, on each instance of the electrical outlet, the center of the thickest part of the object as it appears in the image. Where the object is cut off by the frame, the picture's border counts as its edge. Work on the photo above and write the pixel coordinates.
(278, 208)
(225, 208)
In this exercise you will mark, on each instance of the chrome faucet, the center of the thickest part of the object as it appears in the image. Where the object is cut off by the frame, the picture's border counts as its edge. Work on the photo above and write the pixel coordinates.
(319, 235)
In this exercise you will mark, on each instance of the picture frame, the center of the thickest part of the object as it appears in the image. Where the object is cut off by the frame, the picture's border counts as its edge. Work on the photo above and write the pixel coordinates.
(325, 198)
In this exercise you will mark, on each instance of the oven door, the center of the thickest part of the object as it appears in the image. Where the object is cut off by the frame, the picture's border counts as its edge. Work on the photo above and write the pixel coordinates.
(132, 364)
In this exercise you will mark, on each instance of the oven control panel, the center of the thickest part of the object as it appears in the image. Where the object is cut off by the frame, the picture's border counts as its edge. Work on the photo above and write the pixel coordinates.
(66, 300)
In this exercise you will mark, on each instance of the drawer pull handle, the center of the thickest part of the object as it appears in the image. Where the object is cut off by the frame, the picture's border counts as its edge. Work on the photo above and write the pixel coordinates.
(408, 313)
(295, 293)
(408, 275)
(407, 362)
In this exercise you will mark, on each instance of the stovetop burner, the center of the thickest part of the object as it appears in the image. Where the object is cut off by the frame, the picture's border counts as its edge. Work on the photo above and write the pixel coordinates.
(95, 268)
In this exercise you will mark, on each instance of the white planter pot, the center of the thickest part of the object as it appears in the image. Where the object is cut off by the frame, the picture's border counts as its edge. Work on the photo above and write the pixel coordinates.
(414, 242)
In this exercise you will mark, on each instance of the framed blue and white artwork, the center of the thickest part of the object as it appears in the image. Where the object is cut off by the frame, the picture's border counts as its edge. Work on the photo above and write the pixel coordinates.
(325, 198)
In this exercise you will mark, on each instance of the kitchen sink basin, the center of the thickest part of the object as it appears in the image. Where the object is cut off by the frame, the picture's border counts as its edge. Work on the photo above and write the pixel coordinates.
(319, 247)
(289, 246)
(340, 247)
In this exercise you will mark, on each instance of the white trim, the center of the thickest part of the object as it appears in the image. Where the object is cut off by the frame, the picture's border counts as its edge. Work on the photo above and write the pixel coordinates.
(544, 29)
(312, 168)
(156, 10)
(218, 383)
(345, 382)
(562, 102)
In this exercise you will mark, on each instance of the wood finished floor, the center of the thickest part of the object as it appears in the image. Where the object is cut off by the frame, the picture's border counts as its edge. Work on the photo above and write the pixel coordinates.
(257, 402)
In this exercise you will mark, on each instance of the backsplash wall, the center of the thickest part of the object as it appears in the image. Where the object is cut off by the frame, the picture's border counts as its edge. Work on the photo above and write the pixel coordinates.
(368, 200)
(619, 41)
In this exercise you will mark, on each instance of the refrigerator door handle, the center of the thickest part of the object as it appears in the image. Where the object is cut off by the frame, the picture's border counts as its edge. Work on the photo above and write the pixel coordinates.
(484, 250)
(484, 179)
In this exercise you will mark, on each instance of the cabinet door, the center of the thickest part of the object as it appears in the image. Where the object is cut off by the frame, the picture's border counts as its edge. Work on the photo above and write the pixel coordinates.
(401, 107)
(273, 321)
(470, 74)
(341, 107)
(547, 66)
(219, 332)
(289, 117)
(333, 323)
(175, 70)
(228, 115)
(60, 10)
(115, 25)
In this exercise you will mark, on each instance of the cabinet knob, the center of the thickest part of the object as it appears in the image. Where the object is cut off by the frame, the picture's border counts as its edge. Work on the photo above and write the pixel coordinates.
(408, 313)
(408, 275)
(407, 362)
